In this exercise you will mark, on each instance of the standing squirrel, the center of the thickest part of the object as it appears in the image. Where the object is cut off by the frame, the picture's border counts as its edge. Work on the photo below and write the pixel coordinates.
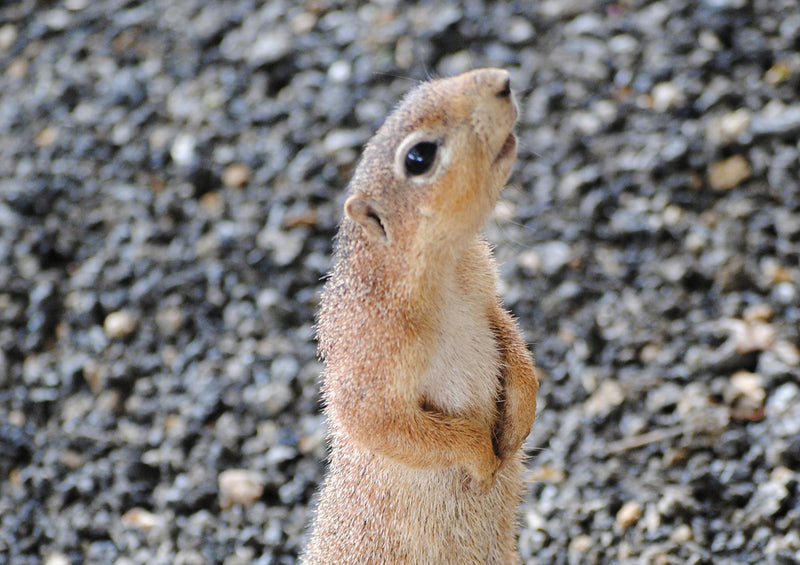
(429, 388)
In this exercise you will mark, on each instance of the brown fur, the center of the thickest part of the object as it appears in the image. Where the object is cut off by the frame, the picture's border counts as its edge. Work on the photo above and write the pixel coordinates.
(429, 388)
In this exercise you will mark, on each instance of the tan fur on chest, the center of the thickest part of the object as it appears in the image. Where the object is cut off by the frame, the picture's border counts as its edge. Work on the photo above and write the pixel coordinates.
(463, 377)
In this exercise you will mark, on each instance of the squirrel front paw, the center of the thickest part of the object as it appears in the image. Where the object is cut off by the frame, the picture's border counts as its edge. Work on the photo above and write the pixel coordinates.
(479, 485)
(480, 481)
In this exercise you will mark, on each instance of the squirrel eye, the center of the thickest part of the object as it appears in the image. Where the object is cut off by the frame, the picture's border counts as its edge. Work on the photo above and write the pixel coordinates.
(420, 157)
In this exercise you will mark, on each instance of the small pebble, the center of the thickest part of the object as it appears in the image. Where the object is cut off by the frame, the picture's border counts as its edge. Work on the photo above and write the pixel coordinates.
(404, 52)
(787, 352)
(757, 313)
(183, 150)
(628, 515)
(681, 534)
(777, 73)
(190, 557)
(753, 336)
(339, 71)
(530, 261)
(340, 139)
(727, 128)
(120, 324)
(783, 398)
(46, 137)
(651, 518)
(667, 95)
(608, 396)
(239, 486)
(580, 544)
(555, 255)
(775, 272)
(8, 35)
(745, 391)
(269, 47)
(272, 397)
(519, 30)
(76, 5)
(776, 119)
(140, 518)
(728, 174)
(280, 453)
(57, 558)
(786, 292)
(240, 556)
(236, 175)
(170, 319)
(311, 442)
(303, 22)
(547, 474)
(766, 502)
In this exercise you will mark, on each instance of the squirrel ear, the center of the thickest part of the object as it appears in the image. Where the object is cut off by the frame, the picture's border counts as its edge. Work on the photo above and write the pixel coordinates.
(363, 211)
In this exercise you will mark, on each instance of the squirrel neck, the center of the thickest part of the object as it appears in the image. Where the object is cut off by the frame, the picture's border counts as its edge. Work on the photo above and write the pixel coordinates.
(417, 273)
(402, 290)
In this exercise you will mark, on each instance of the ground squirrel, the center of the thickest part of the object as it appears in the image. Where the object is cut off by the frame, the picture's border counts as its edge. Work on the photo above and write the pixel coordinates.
(429, 388)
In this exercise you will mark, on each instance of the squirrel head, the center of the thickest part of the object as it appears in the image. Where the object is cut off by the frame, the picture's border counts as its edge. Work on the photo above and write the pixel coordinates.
(432, 173)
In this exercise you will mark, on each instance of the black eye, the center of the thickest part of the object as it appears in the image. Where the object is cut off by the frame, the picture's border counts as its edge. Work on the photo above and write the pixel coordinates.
(420, 157)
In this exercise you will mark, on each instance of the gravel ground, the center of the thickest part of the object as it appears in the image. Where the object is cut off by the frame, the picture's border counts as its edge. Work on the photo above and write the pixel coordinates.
(170, 180)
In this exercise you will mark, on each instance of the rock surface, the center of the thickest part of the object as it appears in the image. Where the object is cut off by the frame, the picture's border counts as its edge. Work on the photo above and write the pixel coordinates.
(171, 176)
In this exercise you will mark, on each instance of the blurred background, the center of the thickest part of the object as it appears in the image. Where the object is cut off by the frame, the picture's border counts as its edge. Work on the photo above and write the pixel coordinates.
(171, 177)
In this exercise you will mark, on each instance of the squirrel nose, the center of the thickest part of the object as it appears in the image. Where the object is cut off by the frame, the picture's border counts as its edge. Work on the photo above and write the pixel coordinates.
(505, 91)
(496, 81)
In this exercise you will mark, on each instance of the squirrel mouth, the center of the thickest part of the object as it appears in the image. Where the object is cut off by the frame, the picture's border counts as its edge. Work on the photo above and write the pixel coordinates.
(508, 147)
